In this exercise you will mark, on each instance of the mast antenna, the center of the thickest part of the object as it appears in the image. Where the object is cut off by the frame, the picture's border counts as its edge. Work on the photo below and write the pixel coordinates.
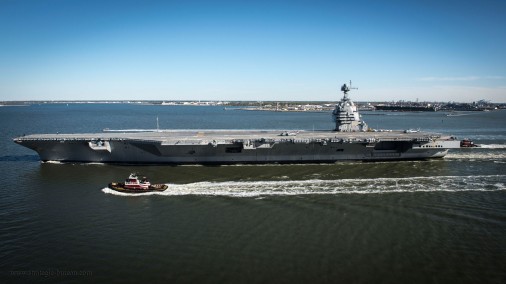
(352, 88)
(345, 89)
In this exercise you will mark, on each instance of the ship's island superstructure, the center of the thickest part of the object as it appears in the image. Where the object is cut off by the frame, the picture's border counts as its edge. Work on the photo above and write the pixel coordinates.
(350, 140)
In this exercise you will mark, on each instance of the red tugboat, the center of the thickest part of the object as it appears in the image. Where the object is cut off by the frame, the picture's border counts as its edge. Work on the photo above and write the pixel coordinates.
(466, 143)
(135, 185)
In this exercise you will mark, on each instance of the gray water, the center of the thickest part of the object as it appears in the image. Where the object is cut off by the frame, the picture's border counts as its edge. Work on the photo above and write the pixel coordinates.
(438, 221)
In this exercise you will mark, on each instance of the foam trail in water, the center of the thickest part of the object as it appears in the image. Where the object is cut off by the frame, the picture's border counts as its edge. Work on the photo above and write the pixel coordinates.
(332, 187)
(464, 154)
(52, 162)
(493, 146)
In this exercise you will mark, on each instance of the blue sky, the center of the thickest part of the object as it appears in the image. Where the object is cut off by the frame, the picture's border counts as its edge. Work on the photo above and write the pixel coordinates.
(252, 50)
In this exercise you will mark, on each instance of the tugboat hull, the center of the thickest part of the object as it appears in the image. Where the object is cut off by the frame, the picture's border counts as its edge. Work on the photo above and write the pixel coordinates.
(120, 187)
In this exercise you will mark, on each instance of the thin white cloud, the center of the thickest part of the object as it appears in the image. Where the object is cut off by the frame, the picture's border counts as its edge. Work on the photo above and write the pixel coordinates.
(446, 79)
(495, 77)
(462, 78)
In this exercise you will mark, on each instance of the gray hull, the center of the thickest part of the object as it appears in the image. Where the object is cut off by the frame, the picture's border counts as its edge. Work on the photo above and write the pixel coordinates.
(236, 146)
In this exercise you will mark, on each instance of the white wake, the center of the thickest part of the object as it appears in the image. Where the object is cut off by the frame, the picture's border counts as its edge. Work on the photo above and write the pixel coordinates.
(332, 187)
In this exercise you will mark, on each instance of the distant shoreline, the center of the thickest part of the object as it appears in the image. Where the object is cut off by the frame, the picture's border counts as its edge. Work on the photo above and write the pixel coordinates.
(289, 106)
(17, 105)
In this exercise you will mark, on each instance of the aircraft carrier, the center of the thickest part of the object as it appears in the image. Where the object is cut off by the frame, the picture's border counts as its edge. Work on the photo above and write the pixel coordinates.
(350, 140)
